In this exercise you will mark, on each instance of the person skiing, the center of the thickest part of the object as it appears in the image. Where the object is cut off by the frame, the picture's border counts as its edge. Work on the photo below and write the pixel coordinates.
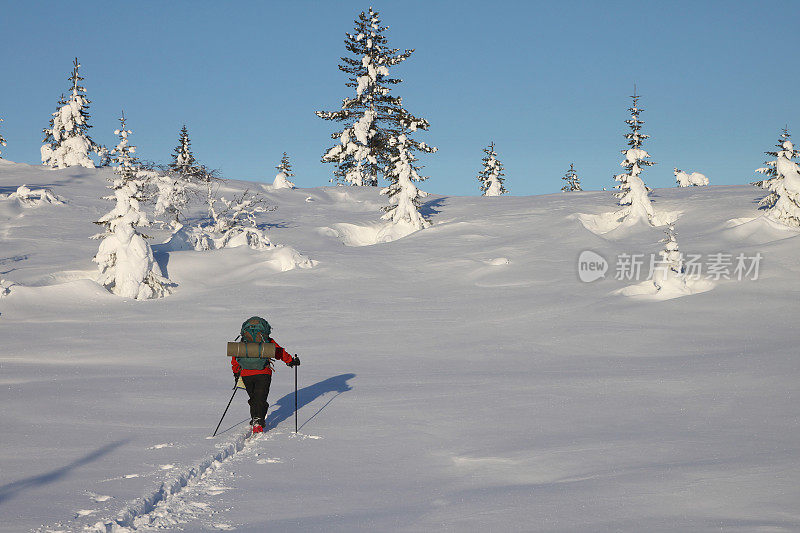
(256, 374)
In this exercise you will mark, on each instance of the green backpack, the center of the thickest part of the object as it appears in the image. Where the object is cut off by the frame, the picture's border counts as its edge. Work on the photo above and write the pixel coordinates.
(254, 329)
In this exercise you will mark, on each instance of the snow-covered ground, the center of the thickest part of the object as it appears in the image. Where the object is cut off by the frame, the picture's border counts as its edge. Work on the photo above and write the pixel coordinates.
(461, 378)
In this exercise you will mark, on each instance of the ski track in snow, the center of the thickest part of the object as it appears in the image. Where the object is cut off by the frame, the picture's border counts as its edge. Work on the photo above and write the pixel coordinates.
(176, 500)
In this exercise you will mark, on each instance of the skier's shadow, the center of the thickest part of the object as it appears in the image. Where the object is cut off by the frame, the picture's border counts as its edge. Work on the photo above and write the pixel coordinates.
(305, 396)
(10, 490)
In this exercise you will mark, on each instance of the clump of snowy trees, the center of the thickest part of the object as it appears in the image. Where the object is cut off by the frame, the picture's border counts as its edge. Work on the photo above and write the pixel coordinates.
(377, 134)
(125, 258)
(491, 177)
(66, 141)
(633, 193)
(573, 182)
(284, 173)
(782, 203)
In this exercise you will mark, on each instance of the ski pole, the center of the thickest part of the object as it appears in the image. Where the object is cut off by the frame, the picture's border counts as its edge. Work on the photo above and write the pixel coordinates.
(295, 398)
(235, 388)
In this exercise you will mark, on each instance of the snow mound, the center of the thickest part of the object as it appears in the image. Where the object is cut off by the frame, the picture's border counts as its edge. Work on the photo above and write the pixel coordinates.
(369, 234)
(283, 258)
(282, 182)
(605, 223)
(668, 289)
(757, 230)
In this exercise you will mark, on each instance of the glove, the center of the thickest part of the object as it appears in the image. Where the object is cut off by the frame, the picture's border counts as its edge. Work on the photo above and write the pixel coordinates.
(235, 379)
(294, 362)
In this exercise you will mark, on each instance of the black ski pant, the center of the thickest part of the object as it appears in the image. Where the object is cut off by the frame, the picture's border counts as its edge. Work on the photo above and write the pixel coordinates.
(257, 389)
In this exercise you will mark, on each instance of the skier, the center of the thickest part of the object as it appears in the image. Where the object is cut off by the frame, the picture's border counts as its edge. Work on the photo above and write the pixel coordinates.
(257, 380)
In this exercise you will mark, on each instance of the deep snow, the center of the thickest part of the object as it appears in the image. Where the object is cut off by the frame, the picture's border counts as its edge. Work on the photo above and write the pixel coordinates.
(460, 378)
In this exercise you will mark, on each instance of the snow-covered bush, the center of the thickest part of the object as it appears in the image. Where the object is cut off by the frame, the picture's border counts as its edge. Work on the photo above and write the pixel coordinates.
(404, 196)
(573, 182)
(632, 190)
(124, 258)
(34, 197)
(67, 142)
(234, 221)
(373, 117)
(284, 173)
(491, 177)
(231, 223)
(695, 179)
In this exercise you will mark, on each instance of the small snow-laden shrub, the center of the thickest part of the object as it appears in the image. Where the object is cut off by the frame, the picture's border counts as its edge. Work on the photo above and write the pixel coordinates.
(694, 179)
(671, 271)
(203, 238)
(231, 223)
(34, 197)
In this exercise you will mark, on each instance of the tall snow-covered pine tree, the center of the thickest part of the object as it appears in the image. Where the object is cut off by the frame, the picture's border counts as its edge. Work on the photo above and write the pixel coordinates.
(632, 190)
(124, 258)
(491, 177)
(67, 142)
(373, 119)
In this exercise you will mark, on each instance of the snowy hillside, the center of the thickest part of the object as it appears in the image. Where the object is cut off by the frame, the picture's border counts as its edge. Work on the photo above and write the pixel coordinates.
(462, 378)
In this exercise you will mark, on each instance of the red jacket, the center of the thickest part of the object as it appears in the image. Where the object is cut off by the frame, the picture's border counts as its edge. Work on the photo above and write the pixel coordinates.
(280, 353)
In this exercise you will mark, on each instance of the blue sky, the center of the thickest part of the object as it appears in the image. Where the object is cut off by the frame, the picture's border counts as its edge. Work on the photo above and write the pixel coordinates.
(548, 82)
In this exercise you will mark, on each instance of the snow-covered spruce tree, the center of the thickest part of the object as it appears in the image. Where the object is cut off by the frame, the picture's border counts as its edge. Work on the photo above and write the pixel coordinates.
(183, 161)
(671, 270)
(404, 196)
(372, 117)
(67, 142)
(632, 190)
(785, 187)
(2, 140)
(770, 171)
(284, 173)
(491, 177)
(124, 258)
(572, 179)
